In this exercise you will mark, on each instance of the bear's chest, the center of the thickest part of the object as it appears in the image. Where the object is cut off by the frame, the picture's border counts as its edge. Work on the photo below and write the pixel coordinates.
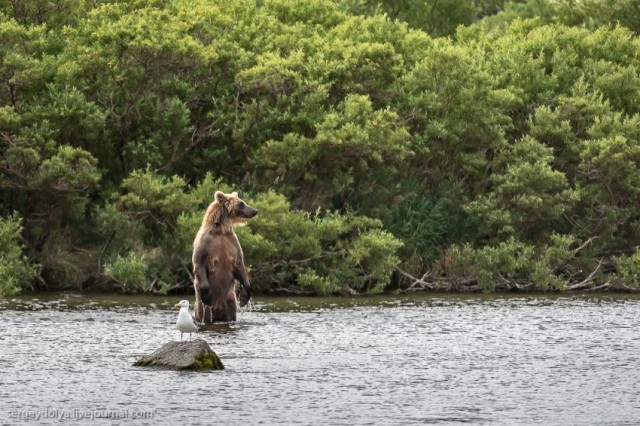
(224, 250)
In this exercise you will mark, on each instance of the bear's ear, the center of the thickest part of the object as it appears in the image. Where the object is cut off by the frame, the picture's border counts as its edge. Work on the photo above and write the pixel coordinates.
(220, 198)
(234, 194)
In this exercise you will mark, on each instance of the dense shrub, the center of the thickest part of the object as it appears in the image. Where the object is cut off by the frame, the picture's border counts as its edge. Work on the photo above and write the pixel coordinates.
(369, 145)
(323, 252)
(16, 272)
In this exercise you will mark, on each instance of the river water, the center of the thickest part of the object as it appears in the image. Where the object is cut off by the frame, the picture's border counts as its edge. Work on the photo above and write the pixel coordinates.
(424, 359)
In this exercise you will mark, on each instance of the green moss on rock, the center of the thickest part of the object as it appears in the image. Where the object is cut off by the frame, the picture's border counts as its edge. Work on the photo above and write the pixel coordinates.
(206, 362)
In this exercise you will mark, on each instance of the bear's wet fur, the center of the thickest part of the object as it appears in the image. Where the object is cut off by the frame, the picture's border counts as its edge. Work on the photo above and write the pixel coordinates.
(218, 260)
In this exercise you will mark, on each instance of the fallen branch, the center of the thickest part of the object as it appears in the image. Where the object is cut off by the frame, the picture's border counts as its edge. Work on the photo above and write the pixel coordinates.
(440, 284)
(587, 281)
(416, 281)
(513, 283)
(600, 287)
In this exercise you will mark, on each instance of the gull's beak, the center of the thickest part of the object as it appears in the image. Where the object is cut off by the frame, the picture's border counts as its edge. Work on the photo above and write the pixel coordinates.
(177, 305)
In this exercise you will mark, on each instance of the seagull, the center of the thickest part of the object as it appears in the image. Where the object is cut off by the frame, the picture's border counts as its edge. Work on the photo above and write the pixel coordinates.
(185, 323)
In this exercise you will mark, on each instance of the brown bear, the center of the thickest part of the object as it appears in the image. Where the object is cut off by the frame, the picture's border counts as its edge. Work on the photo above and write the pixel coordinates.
(218, 260)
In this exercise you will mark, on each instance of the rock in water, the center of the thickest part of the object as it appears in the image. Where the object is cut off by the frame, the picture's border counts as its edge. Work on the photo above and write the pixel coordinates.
(194, 355)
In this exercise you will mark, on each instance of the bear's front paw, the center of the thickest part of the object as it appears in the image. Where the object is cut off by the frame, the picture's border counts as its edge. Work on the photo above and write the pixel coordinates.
(244, 297)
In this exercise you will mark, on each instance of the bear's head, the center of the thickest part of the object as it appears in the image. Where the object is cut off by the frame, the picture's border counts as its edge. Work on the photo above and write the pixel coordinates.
(228, 210)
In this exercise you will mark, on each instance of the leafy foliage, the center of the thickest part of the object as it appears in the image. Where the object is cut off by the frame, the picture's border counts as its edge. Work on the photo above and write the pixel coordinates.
(325, 253)
(627, 275)
(16, 272)
(128, 272)
(527, 194)
(439, 138)
(588, 13)
(355, 155)
(436, 17)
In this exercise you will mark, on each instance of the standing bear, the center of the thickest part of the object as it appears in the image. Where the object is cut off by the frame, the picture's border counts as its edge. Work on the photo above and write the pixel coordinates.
(218, 260)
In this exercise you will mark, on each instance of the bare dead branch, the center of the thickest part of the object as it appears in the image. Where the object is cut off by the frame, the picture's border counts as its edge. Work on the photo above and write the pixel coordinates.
(415, 280)
(587, 281)
(586, 243)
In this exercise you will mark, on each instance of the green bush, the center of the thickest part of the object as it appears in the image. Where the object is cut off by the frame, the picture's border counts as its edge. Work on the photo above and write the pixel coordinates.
(355, 154)
(512, 264)
(145, 232)
(627, 271)
(425, 225)
(129, 273)
(514, 140)
(323, 252)
(16, 272)
(158, 219)
(507, 260)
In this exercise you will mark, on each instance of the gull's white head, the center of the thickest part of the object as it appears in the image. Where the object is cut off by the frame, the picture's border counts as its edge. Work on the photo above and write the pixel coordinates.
(182, 304)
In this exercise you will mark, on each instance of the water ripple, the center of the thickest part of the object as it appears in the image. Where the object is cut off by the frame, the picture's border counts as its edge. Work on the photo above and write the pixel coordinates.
(419, 360)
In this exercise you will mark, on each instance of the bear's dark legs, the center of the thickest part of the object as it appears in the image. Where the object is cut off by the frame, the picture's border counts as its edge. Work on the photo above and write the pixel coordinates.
(223, 313)
(197, 309)
(203, 313)
(202, 304)
(232, 307)
(197, 305)
(208, 316)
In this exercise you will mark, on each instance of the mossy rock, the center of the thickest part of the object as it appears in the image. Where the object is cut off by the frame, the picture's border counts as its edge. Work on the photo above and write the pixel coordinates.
(196, 355)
